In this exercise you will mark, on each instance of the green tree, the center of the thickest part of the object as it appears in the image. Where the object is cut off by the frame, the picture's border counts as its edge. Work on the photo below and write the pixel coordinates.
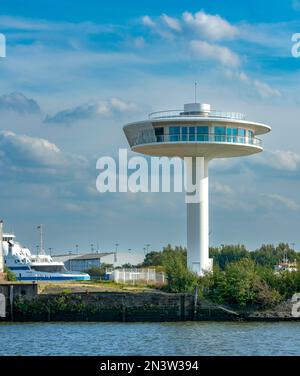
(265, 255)
(240, 279)
(288, 283)
(269, 255)
(156, 258)
(228, 253)
(98, 271)
(241, 284)
(153, 259)
(10, 275)
(180, 279)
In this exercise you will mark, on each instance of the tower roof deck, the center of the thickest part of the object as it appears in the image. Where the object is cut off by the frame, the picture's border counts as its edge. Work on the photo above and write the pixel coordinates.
(201, 112)
(167, 114)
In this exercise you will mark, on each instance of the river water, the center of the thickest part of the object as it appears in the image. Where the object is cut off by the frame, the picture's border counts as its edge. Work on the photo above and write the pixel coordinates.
(184, 338)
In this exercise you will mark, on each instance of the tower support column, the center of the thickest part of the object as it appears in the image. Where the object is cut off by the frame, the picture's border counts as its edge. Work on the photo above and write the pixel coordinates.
(197, 215)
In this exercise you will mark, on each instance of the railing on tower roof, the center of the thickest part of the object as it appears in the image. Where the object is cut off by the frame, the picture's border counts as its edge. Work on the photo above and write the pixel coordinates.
(180, 113)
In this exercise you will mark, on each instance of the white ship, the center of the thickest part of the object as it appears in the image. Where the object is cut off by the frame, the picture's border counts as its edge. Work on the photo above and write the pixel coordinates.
(40, 267)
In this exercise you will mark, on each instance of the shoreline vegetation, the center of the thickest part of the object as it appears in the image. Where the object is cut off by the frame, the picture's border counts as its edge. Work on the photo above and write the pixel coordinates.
(243, 286)
(241, 279)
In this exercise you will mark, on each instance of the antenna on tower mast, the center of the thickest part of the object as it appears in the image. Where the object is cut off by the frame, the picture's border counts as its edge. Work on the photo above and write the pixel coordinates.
(195, 84)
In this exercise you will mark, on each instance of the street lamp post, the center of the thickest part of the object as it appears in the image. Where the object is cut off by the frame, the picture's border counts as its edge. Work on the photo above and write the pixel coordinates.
(116, 251)
(40, 227)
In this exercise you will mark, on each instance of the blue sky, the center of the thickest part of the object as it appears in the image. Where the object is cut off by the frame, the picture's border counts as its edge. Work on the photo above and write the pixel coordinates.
(76, 72)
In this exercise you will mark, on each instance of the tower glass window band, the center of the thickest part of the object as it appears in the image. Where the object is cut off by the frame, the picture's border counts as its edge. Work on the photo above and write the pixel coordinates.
(192, 133)
(241, 134)
(174, 133)
(184, 133)
(159, 133)
(220, 133)
(250, 136)
(203, 133)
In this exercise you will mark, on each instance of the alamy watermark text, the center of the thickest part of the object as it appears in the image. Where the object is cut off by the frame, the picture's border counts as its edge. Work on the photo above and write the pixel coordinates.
(154, 174)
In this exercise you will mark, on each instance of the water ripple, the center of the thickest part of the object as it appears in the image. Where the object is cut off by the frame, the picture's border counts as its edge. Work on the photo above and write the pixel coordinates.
(184, 338)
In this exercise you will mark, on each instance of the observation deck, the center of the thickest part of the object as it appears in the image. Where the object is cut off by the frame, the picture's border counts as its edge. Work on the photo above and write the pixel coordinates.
(196, 131)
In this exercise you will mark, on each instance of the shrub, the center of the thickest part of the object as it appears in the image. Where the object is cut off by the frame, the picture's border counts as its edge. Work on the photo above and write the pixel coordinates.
(98, 271)
(240, 284)
(180, 279)
(10, 275)
(228, 253)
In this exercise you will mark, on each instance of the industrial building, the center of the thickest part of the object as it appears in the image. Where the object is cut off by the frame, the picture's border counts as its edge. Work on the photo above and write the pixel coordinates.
(82, 262)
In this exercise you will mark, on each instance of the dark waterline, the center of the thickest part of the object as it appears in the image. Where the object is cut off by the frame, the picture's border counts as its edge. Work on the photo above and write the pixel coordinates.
(184, 338)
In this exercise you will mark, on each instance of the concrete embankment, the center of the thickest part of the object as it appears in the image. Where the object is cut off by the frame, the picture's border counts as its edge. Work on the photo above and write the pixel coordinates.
(24, 303)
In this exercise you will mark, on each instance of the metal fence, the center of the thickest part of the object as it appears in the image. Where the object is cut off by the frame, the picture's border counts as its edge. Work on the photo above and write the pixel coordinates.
(136, 275)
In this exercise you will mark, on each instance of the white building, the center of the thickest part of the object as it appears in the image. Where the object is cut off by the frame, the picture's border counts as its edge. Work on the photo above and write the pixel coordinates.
(81, 262)
(202, 134)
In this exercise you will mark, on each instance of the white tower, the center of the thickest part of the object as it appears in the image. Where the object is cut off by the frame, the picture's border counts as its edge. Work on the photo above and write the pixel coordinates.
(203, 134)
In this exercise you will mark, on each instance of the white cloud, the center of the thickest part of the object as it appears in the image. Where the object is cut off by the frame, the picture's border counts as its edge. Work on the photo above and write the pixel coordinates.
(225, 164)
(116, 104)
(147, 21)
(21, 153)
(171, 22)
(243, 76)
(91, 109)
(139, 42)
(210, 26)
(40, 25)
(206, 26)
(240, 75)
(19, 23)
(265, 90)
(221, 188)
(17, 102)
(223, 55)
(164, 26)
(268, 38)
(279, 160)
(273, 199)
